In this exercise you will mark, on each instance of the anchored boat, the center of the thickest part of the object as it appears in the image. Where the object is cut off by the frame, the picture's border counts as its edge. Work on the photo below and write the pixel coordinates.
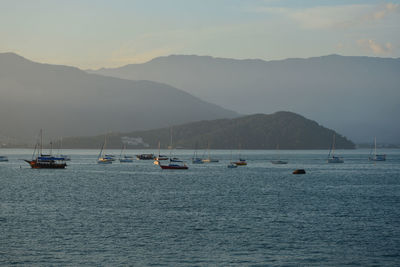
(331, 156)
(45, 161)
(375, 156)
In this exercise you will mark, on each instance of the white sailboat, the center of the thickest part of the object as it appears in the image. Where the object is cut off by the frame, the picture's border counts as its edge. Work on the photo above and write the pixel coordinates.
(209, 159)
(232, 164)
(159, 157)
(278, 160)
(123, 158)
(331, 156)
(375, 156)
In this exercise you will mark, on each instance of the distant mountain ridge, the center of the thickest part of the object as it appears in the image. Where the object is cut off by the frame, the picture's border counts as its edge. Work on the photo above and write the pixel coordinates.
(356, 95)
(66, 101)
(259, 131)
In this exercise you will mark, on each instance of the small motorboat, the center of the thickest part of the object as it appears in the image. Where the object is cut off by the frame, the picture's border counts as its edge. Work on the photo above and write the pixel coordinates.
(145, 157)
(232, 165)
(278, 161)
(3, 158)
(299, 171)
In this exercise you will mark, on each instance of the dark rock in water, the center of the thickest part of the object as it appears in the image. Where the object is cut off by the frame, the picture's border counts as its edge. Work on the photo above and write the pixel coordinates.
(299, 171)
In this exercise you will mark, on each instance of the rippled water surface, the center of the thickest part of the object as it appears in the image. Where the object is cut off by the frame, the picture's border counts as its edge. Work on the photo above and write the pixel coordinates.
(261, 214)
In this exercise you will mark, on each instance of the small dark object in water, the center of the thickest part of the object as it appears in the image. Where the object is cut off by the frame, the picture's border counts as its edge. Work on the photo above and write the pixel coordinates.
(299, 171)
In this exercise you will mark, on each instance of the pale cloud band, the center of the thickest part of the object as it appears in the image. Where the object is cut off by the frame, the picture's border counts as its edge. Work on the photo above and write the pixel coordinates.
(377, 49)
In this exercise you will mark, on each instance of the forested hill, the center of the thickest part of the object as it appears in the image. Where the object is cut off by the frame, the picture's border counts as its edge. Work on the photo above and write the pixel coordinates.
(259, 131)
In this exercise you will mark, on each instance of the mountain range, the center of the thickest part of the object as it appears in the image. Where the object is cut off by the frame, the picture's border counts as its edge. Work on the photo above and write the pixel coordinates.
(357, 96)
(258, 131)
(66, 101)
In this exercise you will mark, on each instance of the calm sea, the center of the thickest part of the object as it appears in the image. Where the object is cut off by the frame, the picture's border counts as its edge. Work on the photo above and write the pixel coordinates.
(260, 215)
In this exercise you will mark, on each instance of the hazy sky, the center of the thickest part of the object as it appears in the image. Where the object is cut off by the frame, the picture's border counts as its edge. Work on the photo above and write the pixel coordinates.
(103, 33)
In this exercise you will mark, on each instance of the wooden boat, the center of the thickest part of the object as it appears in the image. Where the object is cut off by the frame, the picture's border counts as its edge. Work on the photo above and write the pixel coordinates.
(45, 161)
(241, 162)
(299, 171)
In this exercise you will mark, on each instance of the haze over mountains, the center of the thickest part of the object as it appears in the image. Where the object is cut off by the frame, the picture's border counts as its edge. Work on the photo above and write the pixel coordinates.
(66, 101)
(259, 131)
(357, 96)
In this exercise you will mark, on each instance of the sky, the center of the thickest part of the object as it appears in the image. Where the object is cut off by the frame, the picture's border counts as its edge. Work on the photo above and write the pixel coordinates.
(94, 34)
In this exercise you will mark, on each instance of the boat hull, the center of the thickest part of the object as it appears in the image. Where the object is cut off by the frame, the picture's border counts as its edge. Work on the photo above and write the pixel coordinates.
(126, 160)
(335, 160)
(174, 167)
(378, 158)
(278, 162)
(45, 165)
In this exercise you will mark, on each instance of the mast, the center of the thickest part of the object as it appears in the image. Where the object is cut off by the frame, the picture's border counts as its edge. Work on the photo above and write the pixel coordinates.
(170, 143)
(208, 150)
(277, 148)
(333, 145)
(41, 141)
(103, 146)
(375, 145)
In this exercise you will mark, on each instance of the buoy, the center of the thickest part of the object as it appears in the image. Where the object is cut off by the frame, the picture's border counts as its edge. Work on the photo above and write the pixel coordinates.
(299, 171)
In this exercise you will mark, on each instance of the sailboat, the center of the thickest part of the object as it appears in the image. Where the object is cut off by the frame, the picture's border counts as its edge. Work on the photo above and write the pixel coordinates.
(159, 157)
(209, 159)
(375, 156)
(174, 163)
(241, 161)
(195, 158)
(123, 158)
(331, 156)
(231, 164)
(45, 161)
(278, 161)
(66, 157)
(104, 159)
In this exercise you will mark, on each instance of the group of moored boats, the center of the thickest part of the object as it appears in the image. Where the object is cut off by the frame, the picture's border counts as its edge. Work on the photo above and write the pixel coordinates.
(336, 159)
(49, 161)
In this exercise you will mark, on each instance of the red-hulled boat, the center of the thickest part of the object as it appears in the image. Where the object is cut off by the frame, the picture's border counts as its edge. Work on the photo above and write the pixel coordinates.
(47, 162)
(42, 161)
(174, 166)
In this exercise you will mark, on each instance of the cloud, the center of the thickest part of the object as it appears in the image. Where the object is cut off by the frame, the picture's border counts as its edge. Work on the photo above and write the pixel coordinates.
(325, 17)
(383, 11)
(377, 49)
